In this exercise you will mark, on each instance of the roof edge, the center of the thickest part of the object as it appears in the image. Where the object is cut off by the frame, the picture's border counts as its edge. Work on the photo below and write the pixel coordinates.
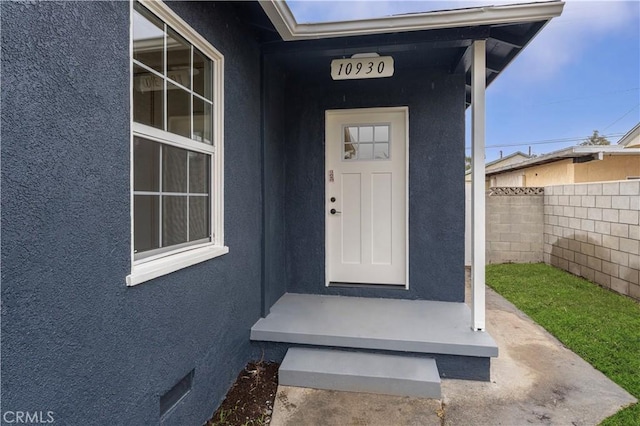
(630, 135)
(567, 153)
(506, 157)
(289, 29)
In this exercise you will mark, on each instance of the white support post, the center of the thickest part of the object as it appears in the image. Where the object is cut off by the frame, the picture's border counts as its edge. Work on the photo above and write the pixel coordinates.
(478, 86)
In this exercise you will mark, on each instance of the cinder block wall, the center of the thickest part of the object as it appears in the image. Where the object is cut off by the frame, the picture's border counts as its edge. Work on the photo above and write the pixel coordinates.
(514, 226)
(593, 230)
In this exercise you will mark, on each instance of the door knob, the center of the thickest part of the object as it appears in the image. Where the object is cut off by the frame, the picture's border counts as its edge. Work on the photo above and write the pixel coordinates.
(334, 211)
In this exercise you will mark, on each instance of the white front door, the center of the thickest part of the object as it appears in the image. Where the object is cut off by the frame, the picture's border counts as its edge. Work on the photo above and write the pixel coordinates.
(366, 196)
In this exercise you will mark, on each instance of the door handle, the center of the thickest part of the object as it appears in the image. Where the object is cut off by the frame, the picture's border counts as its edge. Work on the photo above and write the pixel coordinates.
(334, 211)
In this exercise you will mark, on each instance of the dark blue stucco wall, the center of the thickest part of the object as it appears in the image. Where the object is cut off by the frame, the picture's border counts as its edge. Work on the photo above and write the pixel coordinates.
(75, 340)
(275, 175)
(436, 185)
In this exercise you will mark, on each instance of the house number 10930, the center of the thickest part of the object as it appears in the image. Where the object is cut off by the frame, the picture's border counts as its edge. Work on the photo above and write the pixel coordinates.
(358, 68)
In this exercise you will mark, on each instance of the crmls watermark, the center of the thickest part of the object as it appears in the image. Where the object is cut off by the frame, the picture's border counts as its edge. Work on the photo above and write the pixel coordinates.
(29, 417)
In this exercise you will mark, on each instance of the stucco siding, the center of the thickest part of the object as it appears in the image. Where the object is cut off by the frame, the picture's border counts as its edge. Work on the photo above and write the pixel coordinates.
(548, 174)
(436, 188)
(75, 340)
(513, 179)
(275, 175)
(609, 168)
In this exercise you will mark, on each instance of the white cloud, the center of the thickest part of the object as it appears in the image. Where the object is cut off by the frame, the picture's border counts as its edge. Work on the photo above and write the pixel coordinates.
(566, 38)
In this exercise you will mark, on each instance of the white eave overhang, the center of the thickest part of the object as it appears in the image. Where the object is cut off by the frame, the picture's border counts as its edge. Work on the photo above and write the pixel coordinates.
(285, 23)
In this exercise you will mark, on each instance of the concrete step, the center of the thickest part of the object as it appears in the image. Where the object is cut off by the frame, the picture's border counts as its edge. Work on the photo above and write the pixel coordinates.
(360, 372)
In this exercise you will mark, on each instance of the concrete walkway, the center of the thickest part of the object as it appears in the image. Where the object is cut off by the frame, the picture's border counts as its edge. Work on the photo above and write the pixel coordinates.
(535, 380)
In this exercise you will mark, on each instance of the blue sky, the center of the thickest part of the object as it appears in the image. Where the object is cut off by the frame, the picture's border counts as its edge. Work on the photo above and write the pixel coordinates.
(581, 73)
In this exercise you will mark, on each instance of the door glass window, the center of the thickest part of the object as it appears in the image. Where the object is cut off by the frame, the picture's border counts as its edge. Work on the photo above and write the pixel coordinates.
(366, 142)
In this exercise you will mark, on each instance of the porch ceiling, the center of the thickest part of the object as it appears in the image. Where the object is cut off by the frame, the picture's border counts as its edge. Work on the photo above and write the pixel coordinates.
(442, 47)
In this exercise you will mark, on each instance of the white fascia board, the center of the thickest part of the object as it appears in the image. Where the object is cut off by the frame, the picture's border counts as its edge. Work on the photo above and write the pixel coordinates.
(607, 149)
(286, 25)
(281, 17)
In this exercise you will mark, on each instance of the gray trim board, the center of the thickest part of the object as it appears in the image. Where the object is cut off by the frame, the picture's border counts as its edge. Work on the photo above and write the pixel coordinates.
(419, 326)
(360, 372)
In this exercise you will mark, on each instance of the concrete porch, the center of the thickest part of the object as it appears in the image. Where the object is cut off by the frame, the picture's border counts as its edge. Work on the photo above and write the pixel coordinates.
(398, 329)
(420, 326)
(535, 381)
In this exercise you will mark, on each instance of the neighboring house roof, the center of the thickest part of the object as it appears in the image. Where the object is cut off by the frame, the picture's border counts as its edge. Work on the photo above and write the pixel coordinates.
(447, 34)
(632, 138)
(578, 153)
(514, 158)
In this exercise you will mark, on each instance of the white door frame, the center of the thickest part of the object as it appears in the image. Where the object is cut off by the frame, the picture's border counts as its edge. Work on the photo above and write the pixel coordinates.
(405, 111)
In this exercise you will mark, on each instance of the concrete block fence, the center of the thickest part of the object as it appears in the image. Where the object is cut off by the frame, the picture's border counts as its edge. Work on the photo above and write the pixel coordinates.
(593, 230)
(514, 228)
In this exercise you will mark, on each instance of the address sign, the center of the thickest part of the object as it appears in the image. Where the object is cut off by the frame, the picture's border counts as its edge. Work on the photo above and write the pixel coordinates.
(358, 68)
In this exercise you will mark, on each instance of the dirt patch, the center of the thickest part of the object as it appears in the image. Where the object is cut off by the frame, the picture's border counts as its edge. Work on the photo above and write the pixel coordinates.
(249, 401)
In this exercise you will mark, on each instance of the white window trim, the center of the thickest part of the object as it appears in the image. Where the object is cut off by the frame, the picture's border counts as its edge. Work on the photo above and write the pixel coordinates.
(145, 270)
(159, 267)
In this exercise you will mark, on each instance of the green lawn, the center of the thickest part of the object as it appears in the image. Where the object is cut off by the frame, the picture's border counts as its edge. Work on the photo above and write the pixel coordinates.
(599, 325)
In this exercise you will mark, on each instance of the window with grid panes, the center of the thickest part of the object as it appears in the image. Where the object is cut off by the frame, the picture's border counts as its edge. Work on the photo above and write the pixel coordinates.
(176, 203)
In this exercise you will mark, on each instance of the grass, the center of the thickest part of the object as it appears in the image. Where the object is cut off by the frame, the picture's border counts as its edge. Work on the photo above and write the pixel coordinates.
(601, 326)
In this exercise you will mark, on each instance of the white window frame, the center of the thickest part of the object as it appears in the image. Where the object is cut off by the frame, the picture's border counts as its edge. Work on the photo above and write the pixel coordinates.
(155, 266)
